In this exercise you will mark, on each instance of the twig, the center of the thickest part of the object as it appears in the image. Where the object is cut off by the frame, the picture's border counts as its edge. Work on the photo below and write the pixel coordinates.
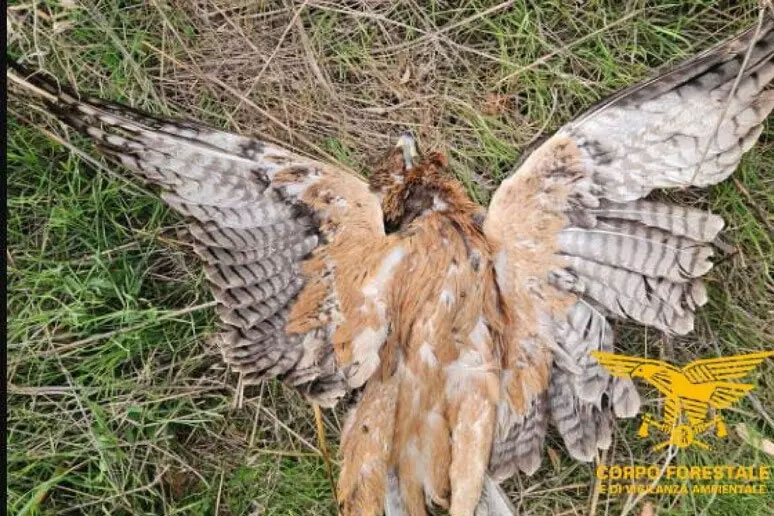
(145, 84)
(239, 393)
(379, 110)
(762, 215)
(11, 74)
(45, 390)
(220, 492)
(283, 453)
(568, 487)
(631, 504)
(254, 431)
(234, 25)
(312, 59)
(758, 406)
(290, 430)
(89, 258)
(323, 443)
(90, 432)
(597, 486)
(140, 489)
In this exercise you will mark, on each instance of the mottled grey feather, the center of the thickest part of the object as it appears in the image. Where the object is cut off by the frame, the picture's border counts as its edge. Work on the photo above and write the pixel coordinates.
(252, 235)
(567, 415)
(255, 214)
(245, 239)
(281, 264)
(625, 399)
(687, 222)
(638, 248)
(681, 297)
(252, 315)
(393, 501)
(685, 127)
(300, 246)
(648, 310)
(521, 448)
(494, 501)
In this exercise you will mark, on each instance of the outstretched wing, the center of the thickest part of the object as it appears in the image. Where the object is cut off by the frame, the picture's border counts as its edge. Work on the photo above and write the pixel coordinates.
(624, 365)
(728, 393)
(576, 243)
(273, 230)
(724, 368)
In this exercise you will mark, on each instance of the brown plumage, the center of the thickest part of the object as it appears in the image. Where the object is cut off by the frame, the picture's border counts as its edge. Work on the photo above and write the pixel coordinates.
(467, 330)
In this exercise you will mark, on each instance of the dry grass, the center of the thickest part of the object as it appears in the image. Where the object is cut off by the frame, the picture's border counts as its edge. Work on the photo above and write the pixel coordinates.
(143, 421)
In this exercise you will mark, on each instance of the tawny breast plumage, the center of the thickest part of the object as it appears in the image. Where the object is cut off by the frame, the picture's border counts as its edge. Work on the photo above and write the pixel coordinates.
(442, 362)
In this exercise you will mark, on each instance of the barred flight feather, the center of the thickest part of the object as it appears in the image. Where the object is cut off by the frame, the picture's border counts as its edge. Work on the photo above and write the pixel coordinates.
(622, 256)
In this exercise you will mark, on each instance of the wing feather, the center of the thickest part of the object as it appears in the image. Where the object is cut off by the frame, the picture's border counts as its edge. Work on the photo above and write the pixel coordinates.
(577, 242)
(724, 368)
(689, 126)
(726, 394)
(273, 229)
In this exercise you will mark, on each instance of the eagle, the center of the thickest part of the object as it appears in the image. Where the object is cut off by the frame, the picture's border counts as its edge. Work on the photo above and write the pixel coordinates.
(693, 389)
(462, 331)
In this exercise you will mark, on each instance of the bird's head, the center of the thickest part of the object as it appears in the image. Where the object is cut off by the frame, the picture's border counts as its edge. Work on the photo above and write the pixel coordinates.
(646, 370)
(410, 184)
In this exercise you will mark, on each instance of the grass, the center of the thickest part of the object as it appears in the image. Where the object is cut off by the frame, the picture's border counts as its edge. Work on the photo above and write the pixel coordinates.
(144, 422)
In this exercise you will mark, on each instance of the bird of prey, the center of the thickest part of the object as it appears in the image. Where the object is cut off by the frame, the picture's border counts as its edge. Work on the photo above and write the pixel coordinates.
(464, 330)
(694, 389)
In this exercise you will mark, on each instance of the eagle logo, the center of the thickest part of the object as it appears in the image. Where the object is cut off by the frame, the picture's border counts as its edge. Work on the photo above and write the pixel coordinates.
(690, 392)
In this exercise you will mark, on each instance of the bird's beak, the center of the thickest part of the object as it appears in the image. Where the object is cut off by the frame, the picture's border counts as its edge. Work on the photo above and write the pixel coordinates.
(408, 146)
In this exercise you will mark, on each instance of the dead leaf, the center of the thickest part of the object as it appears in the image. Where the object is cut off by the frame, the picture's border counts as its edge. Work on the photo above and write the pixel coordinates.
(179, 483)
(406, 77)
(648, 510)
(60, 27)
(756, 441)
(496, 104)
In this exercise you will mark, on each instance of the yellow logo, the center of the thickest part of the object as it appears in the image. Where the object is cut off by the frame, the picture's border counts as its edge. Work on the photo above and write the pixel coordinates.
(689, 392)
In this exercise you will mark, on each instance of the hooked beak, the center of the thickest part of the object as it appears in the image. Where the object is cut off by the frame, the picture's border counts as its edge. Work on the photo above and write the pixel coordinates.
(408, 146)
